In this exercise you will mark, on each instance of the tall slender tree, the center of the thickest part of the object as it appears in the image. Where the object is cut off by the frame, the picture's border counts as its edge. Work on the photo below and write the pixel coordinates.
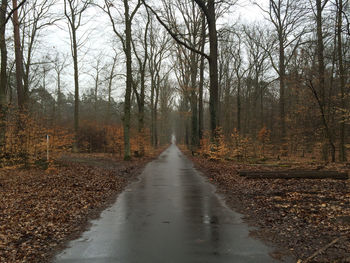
(140, 95)
(341, 73)
(3, 73)
(125, 39)
(286, 17)
(22, 94)
(73, 11)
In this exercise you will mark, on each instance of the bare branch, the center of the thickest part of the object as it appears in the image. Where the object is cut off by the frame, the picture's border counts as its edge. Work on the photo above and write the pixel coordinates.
(173, 35)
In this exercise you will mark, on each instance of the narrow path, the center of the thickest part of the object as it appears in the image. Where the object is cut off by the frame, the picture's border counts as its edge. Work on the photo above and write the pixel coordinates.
(171, 215)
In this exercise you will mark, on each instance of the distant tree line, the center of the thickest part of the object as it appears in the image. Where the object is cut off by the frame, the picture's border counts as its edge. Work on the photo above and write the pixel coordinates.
(177, 67)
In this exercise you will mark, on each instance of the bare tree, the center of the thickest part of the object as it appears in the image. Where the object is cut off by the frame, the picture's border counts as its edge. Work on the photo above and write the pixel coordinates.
(287, 19)
(110, 79)
(201, 79)
(341, 73)
(74, 11)
(97, 67)
(125, 38)
(140, 95)
(166, 100)
(190, 29)
(227, 46)
(37, 15)
(209, 9)
(240, 71)
(320, 95)
(22, 94)
(59, 64)
(158, 52)
(258, 50)
(3, 73)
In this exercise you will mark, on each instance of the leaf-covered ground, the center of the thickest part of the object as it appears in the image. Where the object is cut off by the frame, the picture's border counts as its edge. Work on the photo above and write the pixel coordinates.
(40, 211)
(299, 216)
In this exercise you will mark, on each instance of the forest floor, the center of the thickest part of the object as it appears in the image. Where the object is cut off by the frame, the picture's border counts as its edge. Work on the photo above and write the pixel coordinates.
(300, 216)
(41, 210)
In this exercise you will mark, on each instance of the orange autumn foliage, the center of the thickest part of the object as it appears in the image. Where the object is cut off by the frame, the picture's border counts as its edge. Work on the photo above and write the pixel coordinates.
(235, 147)
(26, 140)
(214, 149)
(264, 137)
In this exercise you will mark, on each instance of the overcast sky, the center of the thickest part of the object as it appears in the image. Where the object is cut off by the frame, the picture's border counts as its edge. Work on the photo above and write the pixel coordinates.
(98, 36)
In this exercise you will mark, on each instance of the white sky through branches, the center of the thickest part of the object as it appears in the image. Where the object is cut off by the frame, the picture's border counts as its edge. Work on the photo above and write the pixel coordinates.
(97, 38)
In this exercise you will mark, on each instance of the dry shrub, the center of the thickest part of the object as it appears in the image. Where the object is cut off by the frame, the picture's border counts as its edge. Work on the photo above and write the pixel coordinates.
(26, 140)
(91, 137)
(141, 143)
(94, 137)
(263, 137)
(234, 147)
(215, 148)
(114, 139)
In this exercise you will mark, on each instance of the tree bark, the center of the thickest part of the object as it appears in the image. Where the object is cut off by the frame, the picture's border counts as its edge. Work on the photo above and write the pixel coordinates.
(201, 82)
(76, 91)
(342, 150)
(239, 106)
(321, 78)
(127, 102)
(152, 108)
(3, 74)
(22, 96)
(140, 96)
(282, 75)
(96, 92)
(194, 102)
(110, 81)
(59, 98)
(74, 22)
(213, 66)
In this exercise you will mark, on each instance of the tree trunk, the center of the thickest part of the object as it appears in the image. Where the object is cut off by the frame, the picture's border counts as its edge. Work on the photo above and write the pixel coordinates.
(3, 74)
(127, 102)
(110, 81)
(282, 75)
(239, 107)
(29, 59)
(213, 66)
(201, 83)
(155, 119)
(141, 100)
(96, 90)
(21, 94)
(76, 91)
(194, 109)
(321, 79)
(342, 150)
(152, 108)
(59, 98)
(262, 121)
(141, 125)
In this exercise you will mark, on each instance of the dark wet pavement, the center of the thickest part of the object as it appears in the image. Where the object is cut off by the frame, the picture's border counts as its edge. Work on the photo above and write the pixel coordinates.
(172, 215)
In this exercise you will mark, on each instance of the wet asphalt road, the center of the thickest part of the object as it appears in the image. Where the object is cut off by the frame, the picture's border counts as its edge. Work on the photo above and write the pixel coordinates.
(172, 215)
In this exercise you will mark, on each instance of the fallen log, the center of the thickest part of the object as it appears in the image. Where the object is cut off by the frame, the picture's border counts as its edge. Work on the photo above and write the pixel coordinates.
(321, 250)
(294, 174)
